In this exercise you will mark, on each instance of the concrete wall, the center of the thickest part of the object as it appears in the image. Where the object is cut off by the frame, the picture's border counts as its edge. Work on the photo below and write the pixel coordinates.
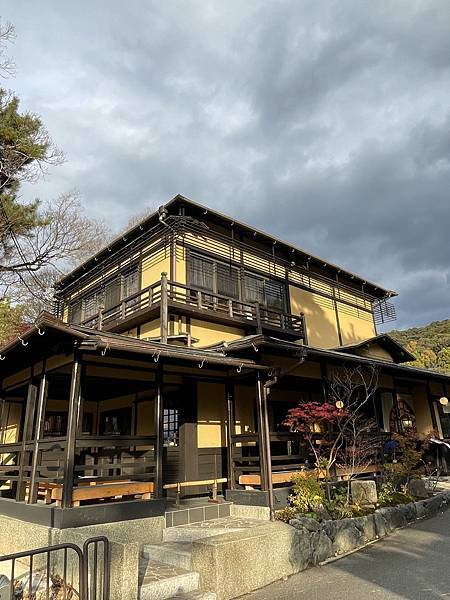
(126, 541)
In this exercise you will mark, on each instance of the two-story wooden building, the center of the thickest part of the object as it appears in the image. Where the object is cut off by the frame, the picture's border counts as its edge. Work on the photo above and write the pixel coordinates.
(157, 365)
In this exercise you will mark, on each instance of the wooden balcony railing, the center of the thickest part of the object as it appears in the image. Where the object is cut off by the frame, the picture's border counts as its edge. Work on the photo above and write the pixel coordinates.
(184, 297)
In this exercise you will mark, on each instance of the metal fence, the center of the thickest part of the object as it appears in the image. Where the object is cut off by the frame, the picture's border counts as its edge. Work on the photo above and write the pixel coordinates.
(58, 572)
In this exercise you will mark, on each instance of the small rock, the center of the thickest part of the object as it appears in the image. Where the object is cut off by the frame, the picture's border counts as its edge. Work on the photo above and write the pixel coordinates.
(307, 523)
(364, 492)
(416, 487)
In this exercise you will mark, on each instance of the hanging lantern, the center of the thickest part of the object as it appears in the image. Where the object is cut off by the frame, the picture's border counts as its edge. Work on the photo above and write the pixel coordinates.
(443, 401)
(339, 404)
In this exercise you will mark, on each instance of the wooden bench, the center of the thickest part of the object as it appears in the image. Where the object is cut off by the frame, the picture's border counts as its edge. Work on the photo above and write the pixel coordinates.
(44, 490)
(250, 481)
(184, 484)
(99, 491)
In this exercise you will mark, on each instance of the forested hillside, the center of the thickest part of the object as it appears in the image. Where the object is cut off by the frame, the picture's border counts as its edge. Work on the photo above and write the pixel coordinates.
(430, 344)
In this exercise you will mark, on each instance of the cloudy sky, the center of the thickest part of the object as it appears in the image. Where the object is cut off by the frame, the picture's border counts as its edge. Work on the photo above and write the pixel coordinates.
(326, 123)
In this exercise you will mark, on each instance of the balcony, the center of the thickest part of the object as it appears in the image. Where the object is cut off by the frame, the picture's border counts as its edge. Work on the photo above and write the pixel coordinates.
(165, 295)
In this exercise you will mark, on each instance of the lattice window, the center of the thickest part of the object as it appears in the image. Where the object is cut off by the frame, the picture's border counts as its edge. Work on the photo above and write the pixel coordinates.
(171, 426)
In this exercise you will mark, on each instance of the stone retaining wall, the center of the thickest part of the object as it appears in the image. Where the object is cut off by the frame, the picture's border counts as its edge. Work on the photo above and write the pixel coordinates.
(332, 538)
(237, 563)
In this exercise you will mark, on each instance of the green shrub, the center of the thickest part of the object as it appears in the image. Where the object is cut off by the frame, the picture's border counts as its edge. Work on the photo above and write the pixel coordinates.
(307, 493)
(390, 496)
(286, 514)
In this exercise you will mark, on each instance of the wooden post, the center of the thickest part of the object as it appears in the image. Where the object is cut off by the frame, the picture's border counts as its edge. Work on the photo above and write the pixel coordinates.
(3, 422)
(396, 410)
(26, 438)
(261, 432)
(258, 318)
(39, 430)
(72, 427)
(431, 406)
(101, 308)
(268, 453)
(159, 429)
(229, 394)
(164, 308)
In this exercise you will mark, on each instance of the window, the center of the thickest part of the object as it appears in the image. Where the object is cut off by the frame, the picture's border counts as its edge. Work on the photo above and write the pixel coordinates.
(227, 278)
(405, 420)
(171, 426)
(92, 305)
(75, 311)
(112, 293)
(201, 273)
(120, 287)
(116, 422)
(267, 292)
(130, 283)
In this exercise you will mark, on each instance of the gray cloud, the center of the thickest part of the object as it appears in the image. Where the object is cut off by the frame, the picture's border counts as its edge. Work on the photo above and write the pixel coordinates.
(325, 123)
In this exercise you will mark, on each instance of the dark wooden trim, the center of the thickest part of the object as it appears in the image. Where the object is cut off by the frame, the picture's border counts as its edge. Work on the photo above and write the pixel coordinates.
(27, 434)
(231, 423)
(38, 434)
(431, 406)
(164, 308)
(159, 430)
(261, 432)
(72, 427)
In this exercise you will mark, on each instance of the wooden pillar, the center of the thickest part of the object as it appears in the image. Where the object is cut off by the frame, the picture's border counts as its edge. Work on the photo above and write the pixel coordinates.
(231, 421)
(27, 434)
(268, 452)
(262, 439)
(159, 429)
(72, 427)
(164, 308)
(323, 380)
(39, 430)
(396, 410)
(3, 420)
(431, 406)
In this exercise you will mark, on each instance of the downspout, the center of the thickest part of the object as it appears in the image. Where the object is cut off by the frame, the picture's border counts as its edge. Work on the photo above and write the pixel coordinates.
(267, 386)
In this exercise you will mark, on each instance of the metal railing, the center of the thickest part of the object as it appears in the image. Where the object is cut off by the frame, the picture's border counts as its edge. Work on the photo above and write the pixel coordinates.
(62, 571)
(184, 296)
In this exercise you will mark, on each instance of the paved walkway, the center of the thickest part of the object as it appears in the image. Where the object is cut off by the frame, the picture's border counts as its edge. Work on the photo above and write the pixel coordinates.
(412, 563)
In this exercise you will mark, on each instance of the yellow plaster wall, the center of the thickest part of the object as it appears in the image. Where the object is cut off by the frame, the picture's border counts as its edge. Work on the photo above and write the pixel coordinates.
(153, 264)
(19, 377)
(211, 413)
(356, 326)
(145, 418)
(419, 403)
(11, 431)
(244, 409)
(211, 333)
(320, 317)
(375, 351)
(151, 329)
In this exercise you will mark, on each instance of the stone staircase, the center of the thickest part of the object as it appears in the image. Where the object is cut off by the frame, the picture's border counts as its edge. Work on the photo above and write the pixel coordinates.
(166, 569)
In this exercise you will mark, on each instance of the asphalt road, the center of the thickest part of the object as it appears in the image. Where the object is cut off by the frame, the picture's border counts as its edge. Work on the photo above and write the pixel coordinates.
(412, 563)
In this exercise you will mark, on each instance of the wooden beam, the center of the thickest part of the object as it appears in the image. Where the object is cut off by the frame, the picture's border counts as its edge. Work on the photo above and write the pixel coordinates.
(164, 308)
(230, 400)
(261, 432)
(72, 427)
(159, 430)
(39, 430)
(431, 406)
(26, 438)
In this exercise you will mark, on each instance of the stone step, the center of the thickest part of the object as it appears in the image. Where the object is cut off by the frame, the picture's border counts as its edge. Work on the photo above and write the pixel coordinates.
(197, 596)
(177, 554)
(191, 533)
(159, 581)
